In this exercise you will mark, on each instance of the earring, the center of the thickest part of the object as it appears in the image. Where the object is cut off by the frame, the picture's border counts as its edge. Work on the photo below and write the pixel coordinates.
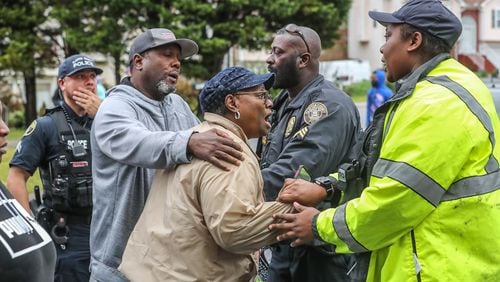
(237, 115)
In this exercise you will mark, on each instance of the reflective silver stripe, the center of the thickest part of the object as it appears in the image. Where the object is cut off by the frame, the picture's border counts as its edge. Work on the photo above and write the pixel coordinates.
(467, 187)
(432, 191)
(340, 224)
(416, 180)
(473, 186)
(475, 108)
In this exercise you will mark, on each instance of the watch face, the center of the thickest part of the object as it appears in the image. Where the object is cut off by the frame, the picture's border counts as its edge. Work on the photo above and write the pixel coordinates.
(323, 180)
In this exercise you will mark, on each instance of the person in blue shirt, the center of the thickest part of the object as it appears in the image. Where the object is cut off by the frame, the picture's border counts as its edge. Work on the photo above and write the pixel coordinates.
(101, 90)
(377, 95)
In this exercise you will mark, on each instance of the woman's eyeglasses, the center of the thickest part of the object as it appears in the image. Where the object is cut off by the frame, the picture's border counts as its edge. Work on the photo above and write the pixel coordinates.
(261, 94)
(294, 29)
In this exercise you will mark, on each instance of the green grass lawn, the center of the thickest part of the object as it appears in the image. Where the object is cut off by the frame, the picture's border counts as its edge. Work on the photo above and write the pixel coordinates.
(15, 134)
(13, 137)
(358, 91)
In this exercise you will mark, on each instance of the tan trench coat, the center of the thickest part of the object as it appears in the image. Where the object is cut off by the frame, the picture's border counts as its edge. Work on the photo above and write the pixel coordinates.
(201, 223)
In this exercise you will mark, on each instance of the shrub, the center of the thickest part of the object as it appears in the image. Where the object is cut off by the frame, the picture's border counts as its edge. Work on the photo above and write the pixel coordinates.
(16, 119)
(495, 73)
(359, 90)
(187, 91)
(482, 74)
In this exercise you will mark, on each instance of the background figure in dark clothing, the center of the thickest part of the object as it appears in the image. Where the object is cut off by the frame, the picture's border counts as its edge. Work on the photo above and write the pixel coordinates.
(26, 250)
(314, 124)
(59, 144)
(377, 95)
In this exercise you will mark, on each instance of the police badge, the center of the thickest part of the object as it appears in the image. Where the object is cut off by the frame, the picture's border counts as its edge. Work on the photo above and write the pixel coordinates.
(289, 126)
(314, 112)
(30, 129)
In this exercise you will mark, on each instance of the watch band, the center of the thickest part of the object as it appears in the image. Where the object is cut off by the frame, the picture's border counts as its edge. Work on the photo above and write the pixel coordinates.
(329, 184)
(325, 182)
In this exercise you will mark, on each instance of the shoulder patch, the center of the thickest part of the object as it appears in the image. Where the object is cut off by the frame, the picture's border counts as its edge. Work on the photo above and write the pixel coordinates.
(19, 146)
(301, 134)
(289, 126)
(314, 112)
(30, 129)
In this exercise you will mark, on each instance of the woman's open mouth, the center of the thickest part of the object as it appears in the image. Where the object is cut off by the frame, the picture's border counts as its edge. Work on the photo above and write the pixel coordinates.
(266, 120)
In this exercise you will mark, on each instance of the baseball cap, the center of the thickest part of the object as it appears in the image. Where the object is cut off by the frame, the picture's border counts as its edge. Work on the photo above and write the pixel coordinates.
(229, 81)
(76, 63)
(155, 37)
(429, 15)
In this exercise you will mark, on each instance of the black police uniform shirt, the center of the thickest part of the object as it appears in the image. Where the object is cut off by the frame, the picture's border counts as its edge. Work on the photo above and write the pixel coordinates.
(26, 250)
(316, 129)
(40, 142)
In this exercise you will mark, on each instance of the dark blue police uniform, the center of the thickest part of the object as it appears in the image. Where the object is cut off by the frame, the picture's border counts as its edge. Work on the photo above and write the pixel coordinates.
(316, 129)
(49, 143)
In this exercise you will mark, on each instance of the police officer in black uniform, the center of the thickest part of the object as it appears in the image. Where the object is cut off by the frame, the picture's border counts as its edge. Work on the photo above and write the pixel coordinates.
(315, 125)
(59, 144)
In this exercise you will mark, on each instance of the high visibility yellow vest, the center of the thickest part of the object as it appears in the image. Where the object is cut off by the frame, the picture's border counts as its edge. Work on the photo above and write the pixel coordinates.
(431, 211)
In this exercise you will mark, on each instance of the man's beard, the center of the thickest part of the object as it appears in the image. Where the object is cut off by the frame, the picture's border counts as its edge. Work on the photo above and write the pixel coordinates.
(287, 76)
(164, 88)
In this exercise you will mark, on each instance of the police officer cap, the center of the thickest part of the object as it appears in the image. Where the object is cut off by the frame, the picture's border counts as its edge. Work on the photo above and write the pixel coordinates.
(76, 63)
(428, 15)
(230, 81)
(156, 37)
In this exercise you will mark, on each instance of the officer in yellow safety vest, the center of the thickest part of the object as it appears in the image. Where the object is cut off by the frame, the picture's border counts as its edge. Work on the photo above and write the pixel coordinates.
(430, 210)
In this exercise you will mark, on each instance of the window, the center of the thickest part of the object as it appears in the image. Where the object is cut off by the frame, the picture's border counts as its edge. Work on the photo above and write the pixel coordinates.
(495, 18)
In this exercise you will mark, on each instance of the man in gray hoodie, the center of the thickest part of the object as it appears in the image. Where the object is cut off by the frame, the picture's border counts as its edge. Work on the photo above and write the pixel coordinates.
(142, 126)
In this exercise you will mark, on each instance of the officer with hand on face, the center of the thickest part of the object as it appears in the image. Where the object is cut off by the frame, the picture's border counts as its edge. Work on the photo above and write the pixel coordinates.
(59, 144)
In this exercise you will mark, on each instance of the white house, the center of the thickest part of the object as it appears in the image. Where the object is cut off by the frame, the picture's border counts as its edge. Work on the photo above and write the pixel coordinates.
(479, 46)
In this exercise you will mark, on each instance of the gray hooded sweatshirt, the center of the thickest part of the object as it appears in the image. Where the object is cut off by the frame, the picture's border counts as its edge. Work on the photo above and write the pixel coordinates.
(132, 136)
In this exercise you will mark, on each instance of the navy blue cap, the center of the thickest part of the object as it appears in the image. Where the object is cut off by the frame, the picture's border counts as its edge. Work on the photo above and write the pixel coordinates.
(428, 15)
(76, 63)
(230, 81)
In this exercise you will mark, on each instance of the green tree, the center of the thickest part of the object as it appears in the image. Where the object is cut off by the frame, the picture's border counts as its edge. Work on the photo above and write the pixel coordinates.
(23, 47)
(107, 26)
(31, 42)
(218, 25)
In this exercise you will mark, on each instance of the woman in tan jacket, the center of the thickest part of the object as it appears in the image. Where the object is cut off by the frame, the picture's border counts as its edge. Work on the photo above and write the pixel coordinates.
(209, 226)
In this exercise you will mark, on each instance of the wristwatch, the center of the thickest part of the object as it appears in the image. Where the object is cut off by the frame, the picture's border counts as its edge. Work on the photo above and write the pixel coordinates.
(329, 184)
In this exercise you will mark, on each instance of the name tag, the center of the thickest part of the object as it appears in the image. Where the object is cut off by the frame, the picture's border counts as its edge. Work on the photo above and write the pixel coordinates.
(80, 164)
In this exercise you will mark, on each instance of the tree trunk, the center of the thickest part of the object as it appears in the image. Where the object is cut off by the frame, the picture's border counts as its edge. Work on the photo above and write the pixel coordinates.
(30, 111)
(213, 63)
(116, 57)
